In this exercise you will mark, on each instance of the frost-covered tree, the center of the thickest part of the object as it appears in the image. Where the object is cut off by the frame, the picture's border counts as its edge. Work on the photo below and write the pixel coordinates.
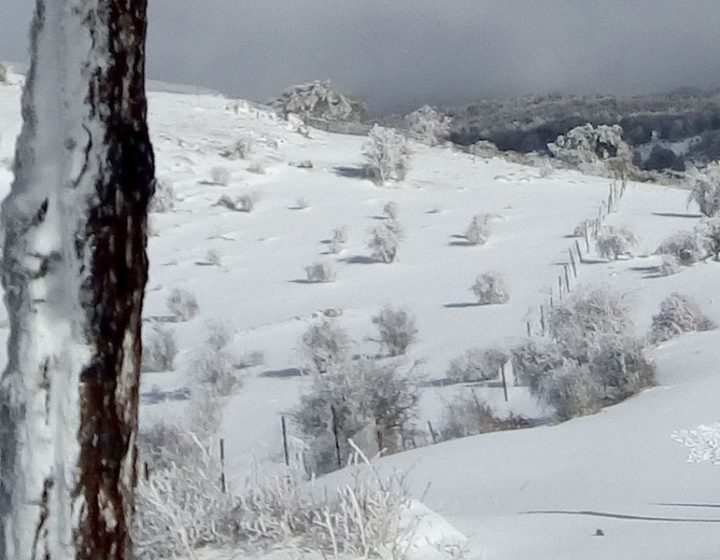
(710, 230)
(387, 155)
(428, 126)
(74, 269)
(705, 189)
(476, 364)
(587, 146)
(319, 100)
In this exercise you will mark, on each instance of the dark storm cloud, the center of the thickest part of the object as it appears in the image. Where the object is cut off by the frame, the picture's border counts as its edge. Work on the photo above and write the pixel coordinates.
(399, 53)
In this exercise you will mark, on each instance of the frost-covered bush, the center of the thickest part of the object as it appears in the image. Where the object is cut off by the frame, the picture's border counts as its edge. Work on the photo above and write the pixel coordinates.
(385, 241)
(588, 316)
(357, 400)
(571, 391)
(164, 198)
(710, 230)
(396, 328)
(339, 238)
(687, 246)
(678, 314)
(326, 345)
(217, 370)
(592, 359)
(468, 416)
(669, 265)
(478, 231)
(582, 228)
(613, 242)
(243, 147)
(476, 364)
(250, 360)
(321, 272)
(428, 126)
(182, 305)
(387, 155)
(220, 175)
(219, 334)
(705, 189)
(246, 202)
(490, 288)
(3, 74)
(391, 210)
(159, 350)
(257, 167)
(318, 100)
(213, 257)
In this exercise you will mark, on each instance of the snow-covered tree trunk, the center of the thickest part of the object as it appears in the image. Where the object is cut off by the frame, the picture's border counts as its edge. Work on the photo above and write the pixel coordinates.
(74, 270)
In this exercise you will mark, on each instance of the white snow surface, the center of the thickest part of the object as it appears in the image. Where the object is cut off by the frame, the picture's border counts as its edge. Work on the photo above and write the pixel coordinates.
(539, 493)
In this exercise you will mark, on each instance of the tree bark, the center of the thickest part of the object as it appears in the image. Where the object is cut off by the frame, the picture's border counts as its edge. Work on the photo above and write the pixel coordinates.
(74, 271)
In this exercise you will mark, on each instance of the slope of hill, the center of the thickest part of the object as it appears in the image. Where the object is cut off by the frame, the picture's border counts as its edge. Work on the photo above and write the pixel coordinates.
(536, 493)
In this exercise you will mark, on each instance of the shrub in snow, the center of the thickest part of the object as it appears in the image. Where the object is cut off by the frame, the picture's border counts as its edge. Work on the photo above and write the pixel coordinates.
(678, 314)
(320, 272)
(243, 147)
(355, 398)
(710, 230)
(396, 328)
(339, 238)
(326, 345)
(582, 228)
(220, 175)
(385, 241)
(705, 189)
(620, 368)
(428, 126)
(253, 359)
(213, 257)
(490, 288)
(182, 305)
(476, 364)
(534, 360)
(571, 391)
(478, 231)
(687, 246)
(387, 155)
(612, 242)
(257, 167)
(318, 100)
(217, 370)
(159, 350)
(164, 198)
(302, 204)
(588, 316)
(219, 334)
(669, 265)
(469, 416)
(246, 202)
(391, 210)
(3, 74)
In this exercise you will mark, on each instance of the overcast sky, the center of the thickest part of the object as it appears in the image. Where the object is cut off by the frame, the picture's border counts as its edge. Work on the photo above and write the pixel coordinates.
(397, 54)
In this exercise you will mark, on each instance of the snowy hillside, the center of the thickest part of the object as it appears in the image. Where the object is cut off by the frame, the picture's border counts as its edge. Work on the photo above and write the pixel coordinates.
(535, 493)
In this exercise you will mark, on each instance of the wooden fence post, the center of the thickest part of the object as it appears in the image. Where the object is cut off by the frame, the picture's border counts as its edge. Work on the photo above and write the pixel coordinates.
(335, 435)
(285, 441)
(223, 484)
(504, 382)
